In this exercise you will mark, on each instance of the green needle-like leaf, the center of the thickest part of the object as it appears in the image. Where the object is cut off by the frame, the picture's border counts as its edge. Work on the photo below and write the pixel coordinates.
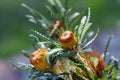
(26, 53)
(22, 69)
(106, 47)
(85, 29)
(115, 70)
(88, 43)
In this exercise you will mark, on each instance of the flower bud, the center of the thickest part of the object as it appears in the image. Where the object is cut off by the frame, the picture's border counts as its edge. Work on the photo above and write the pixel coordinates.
(38, 59)
(68, 40)
(58, 23)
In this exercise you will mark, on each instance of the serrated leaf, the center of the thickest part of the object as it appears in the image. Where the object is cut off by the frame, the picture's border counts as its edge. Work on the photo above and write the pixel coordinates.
(43, 23)
(51, 12)
(35, 41)
(85, 29)
(34, 37)
(29, 16)
(79, 30)
(51, 2)
(43, 43)
(74, 22)
(26, 53)
(106, 47)
(36, 13)
(55, 50)
(42, 16)
(59, 54)
(30, 9)
(54, 57)
(88, 17)
(107, 72)
(47, 39)
(36, 74)
(88, 71)
(83, 20)
(41, 35)
(67, 18)
(111, 60)
(58, 3)
(31, 19)
(115, 70)
(88, 43)
(53, 30)
(73, 16)
(22, 69)
(25, 65)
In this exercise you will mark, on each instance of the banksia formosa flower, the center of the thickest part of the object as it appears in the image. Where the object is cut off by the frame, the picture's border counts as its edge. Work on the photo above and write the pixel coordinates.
(68, 40)
(38, 59)
(68, 58)
(99, 66)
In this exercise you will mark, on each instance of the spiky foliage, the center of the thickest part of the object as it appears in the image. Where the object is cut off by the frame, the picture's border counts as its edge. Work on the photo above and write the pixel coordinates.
(67, 64)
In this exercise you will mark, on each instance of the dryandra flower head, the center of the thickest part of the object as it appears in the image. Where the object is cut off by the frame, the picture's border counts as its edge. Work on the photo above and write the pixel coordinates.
(38, 59)
(100, 66)
(68, 40)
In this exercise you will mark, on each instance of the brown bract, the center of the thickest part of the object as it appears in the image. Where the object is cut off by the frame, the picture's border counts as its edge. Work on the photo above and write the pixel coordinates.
(58, 68)
(101, 64)
(38, 59)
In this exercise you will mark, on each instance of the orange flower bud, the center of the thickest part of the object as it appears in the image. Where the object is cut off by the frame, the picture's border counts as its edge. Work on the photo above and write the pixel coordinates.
(57, 22)
(38, 59)
(68, 40)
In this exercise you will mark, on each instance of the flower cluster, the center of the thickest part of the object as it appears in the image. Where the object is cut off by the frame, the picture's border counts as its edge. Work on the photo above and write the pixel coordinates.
(63, 52)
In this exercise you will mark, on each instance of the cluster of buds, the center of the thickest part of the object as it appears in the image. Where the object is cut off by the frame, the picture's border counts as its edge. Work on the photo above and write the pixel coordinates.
(64, 52)
(68, 41)
(39, 60)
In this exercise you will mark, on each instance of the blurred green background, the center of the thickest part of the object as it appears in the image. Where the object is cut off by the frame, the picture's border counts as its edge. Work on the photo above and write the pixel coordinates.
(14, 27)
